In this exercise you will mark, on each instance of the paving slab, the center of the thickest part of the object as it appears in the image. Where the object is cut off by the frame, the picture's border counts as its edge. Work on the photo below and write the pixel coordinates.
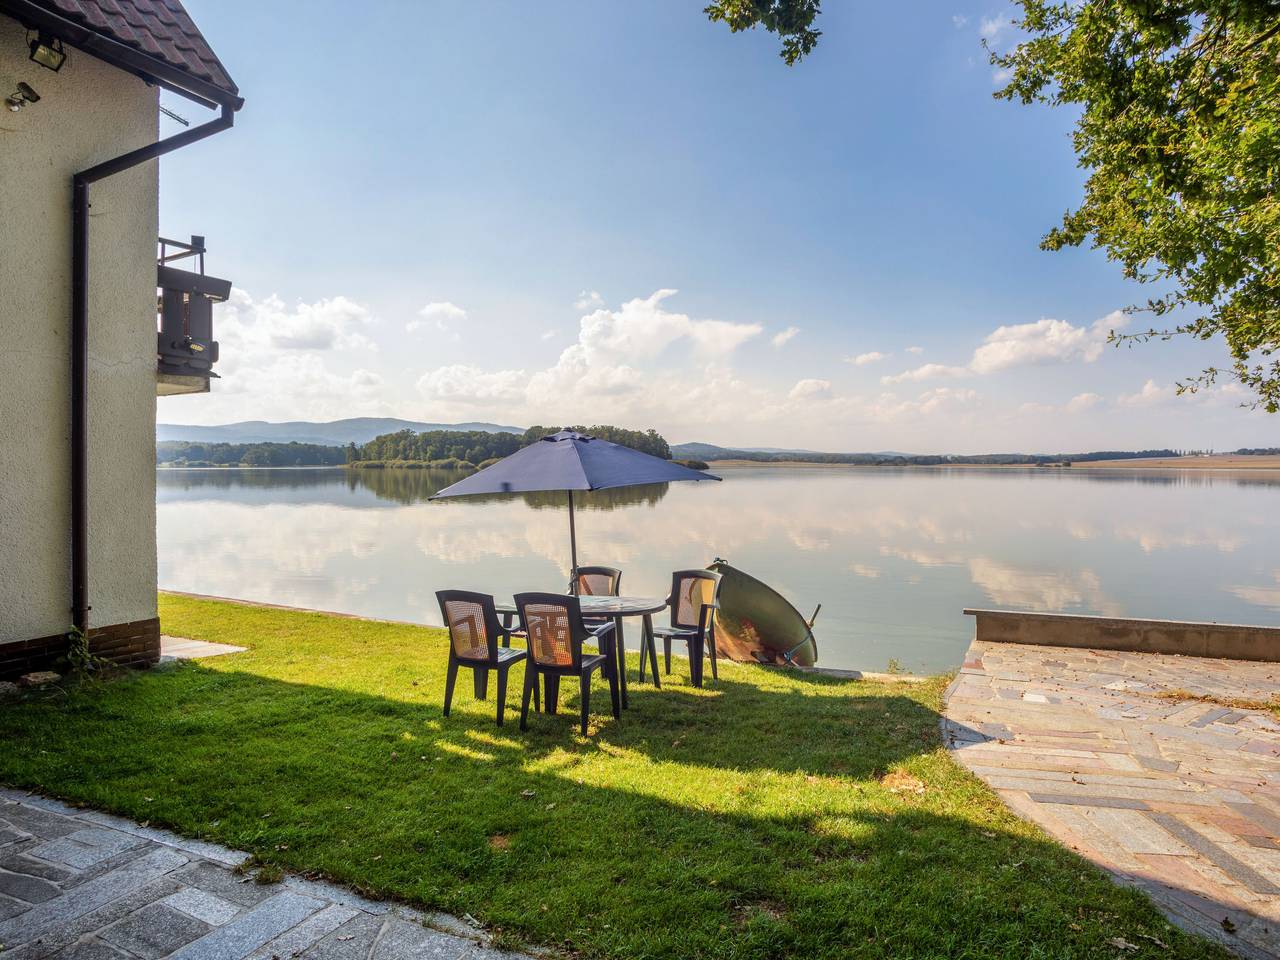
(1178, 795)
(182, 648)
(154, 931)
(81, 885)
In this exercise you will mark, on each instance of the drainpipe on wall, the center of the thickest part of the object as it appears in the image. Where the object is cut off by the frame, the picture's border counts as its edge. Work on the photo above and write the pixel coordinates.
(80, 340)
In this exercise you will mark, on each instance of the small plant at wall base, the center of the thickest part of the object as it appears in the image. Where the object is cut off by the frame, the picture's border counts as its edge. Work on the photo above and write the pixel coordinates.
(79, 661)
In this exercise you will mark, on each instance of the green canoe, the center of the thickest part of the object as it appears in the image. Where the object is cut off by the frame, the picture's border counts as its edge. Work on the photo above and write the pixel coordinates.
(755, 622)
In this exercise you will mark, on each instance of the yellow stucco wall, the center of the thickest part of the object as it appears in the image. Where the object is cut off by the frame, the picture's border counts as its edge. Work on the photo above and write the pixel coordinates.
(88, 112)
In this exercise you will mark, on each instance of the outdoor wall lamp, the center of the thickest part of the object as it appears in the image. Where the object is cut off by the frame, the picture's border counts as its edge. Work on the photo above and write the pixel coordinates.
(21, 97)
(48, 52)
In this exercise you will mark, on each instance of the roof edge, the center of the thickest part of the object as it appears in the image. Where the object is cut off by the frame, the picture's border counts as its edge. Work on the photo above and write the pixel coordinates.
(149, 68)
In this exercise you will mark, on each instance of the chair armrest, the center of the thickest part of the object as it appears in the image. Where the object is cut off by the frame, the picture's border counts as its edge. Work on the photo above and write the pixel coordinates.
(706, 614)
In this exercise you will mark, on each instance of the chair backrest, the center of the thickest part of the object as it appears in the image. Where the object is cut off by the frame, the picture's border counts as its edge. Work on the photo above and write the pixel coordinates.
(599, 581)
(472, 622)
(690, 591)
(553, 623)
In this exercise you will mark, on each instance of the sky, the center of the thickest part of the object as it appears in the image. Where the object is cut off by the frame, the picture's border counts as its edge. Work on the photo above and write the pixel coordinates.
(576, 212)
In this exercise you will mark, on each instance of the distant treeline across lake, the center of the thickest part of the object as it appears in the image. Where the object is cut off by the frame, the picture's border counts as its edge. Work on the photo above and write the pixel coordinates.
(441, 449)
(470, 449)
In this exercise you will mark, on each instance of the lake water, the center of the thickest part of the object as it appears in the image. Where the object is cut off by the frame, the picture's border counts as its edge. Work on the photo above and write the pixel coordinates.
(893, 556)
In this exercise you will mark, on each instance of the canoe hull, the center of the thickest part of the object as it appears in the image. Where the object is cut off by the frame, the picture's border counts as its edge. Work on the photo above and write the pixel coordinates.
(757, 624)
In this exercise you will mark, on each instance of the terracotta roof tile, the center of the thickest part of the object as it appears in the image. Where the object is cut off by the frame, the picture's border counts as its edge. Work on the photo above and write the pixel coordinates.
(159, 28)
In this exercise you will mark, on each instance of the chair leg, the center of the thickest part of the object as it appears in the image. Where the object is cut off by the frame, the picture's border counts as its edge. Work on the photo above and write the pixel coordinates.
(553, 693)
(615, 691)
(695, 661)
(584, 684)
(502, 692)
(530, 685)
(644, 653)
(666, 646)
(450, 678)
(529, 668)
(711, 647)
(482, 682)
(653, 652)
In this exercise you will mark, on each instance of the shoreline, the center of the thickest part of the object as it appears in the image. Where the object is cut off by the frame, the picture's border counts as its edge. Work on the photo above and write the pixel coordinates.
(1226, 462)
(1217, 462)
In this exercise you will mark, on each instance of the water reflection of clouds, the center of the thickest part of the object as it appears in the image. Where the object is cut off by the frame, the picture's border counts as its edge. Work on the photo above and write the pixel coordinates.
(1151, 538)
(1264, 596)
(1010, 586)
(859, 542)
(1151, 534)
(1022, 587)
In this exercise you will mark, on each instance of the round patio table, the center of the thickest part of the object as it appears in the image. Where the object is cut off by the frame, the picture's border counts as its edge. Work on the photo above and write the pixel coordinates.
(615, 609)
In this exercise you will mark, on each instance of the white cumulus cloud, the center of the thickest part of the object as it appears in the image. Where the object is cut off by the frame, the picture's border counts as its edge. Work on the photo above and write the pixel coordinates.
(930, 371)
(1043, 342)
(989, 28)
(462, 383)
(783, 337)
(628, 363)
(441, 314)
(1150, 395)
(810, 388)
(862, 359)
(329, 324)
(1083, 401)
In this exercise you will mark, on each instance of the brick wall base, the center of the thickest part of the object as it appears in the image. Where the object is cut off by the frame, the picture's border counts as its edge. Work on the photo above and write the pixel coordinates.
(134, 644)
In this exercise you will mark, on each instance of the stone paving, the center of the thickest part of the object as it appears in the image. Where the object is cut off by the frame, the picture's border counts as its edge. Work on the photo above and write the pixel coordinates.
(180, 648)
(79, 885)
(1177, 795)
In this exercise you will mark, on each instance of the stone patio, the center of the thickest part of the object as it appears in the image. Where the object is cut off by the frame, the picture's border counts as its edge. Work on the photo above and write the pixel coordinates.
(1177, 796)
(79, 885)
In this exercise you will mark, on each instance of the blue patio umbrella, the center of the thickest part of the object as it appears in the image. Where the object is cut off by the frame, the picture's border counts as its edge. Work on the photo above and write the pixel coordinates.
(571, 462)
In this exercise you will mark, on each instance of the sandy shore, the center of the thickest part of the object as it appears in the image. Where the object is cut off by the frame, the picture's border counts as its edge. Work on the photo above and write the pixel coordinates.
(1223, 461)
(1216, 462)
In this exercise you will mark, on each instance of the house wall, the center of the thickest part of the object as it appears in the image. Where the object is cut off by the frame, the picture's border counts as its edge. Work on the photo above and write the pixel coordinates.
(88, 112)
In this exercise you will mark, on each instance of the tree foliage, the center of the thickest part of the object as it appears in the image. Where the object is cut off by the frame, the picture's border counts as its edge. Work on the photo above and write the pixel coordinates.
(646, 441)
(1179, 130)
(471, 446)
(186, 453)
(468, 448)
(791, 20)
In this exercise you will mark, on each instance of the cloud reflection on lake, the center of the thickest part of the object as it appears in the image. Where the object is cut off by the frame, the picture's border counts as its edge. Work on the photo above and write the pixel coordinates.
(893, 555)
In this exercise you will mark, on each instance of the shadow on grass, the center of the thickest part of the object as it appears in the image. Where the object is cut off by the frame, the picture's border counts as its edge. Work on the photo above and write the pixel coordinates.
(732, 822)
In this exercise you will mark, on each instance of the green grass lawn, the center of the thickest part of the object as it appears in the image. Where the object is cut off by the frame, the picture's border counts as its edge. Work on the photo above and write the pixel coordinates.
(772, 814)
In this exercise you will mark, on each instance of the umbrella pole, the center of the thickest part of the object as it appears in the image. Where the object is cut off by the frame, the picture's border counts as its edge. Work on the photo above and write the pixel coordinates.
(573, 550)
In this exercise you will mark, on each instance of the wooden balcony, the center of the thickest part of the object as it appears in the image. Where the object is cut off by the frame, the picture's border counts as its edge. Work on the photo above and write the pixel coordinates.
(185, 349)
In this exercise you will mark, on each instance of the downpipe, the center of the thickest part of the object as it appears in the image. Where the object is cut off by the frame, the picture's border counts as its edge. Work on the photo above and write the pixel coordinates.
(80, 606)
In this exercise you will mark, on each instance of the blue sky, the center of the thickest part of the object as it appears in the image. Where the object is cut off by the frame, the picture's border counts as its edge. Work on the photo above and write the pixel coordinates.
(458, 211)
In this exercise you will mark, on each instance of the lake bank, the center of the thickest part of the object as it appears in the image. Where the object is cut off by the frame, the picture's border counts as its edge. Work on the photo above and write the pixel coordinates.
(1217, 462)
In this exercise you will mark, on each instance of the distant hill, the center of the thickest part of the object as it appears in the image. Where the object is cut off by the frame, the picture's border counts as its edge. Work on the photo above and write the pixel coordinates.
(335, 433)
(710, 453)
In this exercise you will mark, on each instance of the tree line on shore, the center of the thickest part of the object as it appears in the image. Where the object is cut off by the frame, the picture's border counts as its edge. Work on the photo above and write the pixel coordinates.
(470, 449)
(463, 449)
(183, 453)
(941, 460)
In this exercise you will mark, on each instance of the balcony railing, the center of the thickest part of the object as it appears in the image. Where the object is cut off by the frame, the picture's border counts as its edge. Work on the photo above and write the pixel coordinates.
(185, 348)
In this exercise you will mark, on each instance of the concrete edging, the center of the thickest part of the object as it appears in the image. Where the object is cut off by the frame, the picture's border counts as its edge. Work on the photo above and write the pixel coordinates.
(1229, 641)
